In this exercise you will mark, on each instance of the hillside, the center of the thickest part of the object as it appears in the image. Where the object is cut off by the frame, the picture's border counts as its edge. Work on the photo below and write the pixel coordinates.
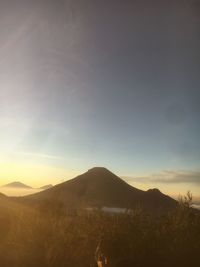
(99, 187)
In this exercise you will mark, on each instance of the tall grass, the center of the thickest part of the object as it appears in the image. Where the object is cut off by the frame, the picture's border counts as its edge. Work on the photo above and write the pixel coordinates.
(49, 235)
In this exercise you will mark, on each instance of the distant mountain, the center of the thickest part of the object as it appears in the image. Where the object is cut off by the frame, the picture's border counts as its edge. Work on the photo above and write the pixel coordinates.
(45, 187)
(99, 187)
(17, 185)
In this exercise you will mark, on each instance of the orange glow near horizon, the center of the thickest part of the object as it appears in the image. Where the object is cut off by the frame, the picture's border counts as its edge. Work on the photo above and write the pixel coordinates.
(37, 175)
(34, 175)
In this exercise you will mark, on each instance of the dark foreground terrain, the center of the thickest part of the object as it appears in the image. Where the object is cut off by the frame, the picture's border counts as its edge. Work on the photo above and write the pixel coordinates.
(50, 235)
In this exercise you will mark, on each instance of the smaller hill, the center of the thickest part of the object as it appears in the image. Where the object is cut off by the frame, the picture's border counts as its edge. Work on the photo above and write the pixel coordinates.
(17, 185)
(44, 187)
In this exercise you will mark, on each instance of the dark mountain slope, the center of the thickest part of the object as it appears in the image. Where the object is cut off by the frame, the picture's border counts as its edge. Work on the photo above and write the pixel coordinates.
(2, 195)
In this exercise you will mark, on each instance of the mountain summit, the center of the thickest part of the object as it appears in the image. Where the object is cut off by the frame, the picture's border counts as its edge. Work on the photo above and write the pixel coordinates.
(99, 187)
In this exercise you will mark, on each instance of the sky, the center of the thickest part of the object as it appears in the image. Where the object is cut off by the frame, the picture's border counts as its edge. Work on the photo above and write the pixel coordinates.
(100, 83)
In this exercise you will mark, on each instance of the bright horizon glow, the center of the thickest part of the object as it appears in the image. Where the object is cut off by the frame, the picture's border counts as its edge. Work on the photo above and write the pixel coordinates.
(39, 175)
(33, 175)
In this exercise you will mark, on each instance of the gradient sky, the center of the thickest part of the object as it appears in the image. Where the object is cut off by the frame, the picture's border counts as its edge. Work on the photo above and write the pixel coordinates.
(100, 83)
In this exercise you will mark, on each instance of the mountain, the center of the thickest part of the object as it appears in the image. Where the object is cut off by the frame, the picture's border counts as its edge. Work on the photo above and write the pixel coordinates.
(46, 186)
(99, 187)
(18, 185)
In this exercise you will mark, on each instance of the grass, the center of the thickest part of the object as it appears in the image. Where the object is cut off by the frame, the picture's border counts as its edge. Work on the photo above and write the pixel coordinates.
(49, 236)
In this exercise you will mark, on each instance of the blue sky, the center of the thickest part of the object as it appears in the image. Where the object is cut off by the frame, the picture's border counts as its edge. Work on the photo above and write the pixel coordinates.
(100, 83)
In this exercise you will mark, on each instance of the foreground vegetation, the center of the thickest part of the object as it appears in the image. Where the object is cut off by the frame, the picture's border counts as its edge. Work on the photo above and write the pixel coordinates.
(49, 236)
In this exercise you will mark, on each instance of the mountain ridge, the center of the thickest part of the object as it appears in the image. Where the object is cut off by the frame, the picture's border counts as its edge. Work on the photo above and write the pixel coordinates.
(100, 187)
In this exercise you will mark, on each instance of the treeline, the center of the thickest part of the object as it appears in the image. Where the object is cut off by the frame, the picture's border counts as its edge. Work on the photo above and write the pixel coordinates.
(47, 236)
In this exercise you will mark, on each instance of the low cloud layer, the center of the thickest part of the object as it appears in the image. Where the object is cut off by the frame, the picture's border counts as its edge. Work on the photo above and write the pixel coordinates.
(169, 177)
